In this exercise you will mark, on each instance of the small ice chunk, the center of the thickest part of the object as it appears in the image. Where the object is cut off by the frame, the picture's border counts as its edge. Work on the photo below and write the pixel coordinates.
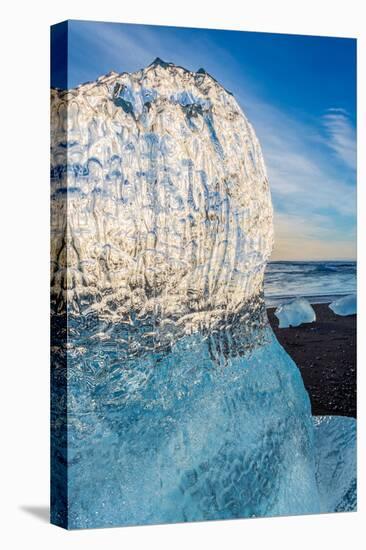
(345, 306)
(295, 313)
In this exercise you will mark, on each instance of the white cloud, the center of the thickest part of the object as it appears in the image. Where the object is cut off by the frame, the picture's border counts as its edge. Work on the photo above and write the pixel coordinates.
(315, 205)
(341, 135)
(299, 173)
(123, 47)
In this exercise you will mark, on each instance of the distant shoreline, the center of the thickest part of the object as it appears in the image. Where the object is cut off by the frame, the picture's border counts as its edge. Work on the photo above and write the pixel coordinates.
(325, 353)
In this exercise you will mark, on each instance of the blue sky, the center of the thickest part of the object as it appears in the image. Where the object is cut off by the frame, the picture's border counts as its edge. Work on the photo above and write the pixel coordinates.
(299, 92)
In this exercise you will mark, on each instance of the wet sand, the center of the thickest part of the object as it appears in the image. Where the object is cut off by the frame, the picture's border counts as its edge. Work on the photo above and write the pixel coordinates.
(325, 352)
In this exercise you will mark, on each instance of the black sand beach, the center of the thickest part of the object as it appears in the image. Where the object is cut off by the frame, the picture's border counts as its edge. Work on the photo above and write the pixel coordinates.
(325, 352)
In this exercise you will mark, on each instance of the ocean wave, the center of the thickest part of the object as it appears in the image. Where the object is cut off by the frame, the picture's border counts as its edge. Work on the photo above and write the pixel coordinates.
(285, 280)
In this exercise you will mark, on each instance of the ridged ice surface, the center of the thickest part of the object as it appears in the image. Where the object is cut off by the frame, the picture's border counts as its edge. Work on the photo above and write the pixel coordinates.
(181, 404)
(168, 207)
(181, 437)
(336, 462)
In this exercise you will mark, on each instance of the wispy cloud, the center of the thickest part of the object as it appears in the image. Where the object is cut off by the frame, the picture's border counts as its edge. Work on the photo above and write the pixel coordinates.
(341, 135)
(120, 48)
(301, 173)
(314, 203)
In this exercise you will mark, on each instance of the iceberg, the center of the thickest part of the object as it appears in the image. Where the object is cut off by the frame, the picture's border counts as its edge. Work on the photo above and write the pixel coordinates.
(162, 180)
(345, 306)
(172, 400)
(295, 313)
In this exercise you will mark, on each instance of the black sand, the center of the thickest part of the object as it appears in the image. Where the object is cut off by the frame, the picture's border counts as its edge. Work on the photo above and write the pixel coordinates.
(325, 352)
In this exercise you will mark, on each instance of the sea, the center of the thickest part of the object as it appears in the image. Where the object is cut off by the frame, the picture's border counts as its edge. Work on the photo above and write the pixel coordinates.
(318, 282)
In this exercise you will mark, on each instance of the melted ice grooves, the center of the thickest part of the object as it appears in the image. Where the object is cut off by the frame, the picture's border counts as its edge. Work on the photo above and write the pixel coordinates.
(169, 209)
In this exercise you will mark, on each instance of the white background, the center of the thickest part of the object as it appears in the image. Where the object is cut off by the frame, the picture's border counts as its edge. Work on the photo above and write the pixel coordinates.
(24, 218)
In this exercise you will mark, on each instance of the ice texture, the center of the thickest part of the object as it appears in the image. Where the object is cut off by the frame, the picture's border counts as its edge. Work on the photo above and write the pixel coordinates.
(169, 214)
(295, 313)
(171, 398)
(203, 432)
(336, 463)
(345, 306)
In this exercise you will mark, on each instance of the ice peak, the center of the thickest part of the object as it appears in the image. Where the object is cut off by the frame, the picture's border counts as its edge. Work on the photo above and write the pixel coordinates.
(158, 62)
